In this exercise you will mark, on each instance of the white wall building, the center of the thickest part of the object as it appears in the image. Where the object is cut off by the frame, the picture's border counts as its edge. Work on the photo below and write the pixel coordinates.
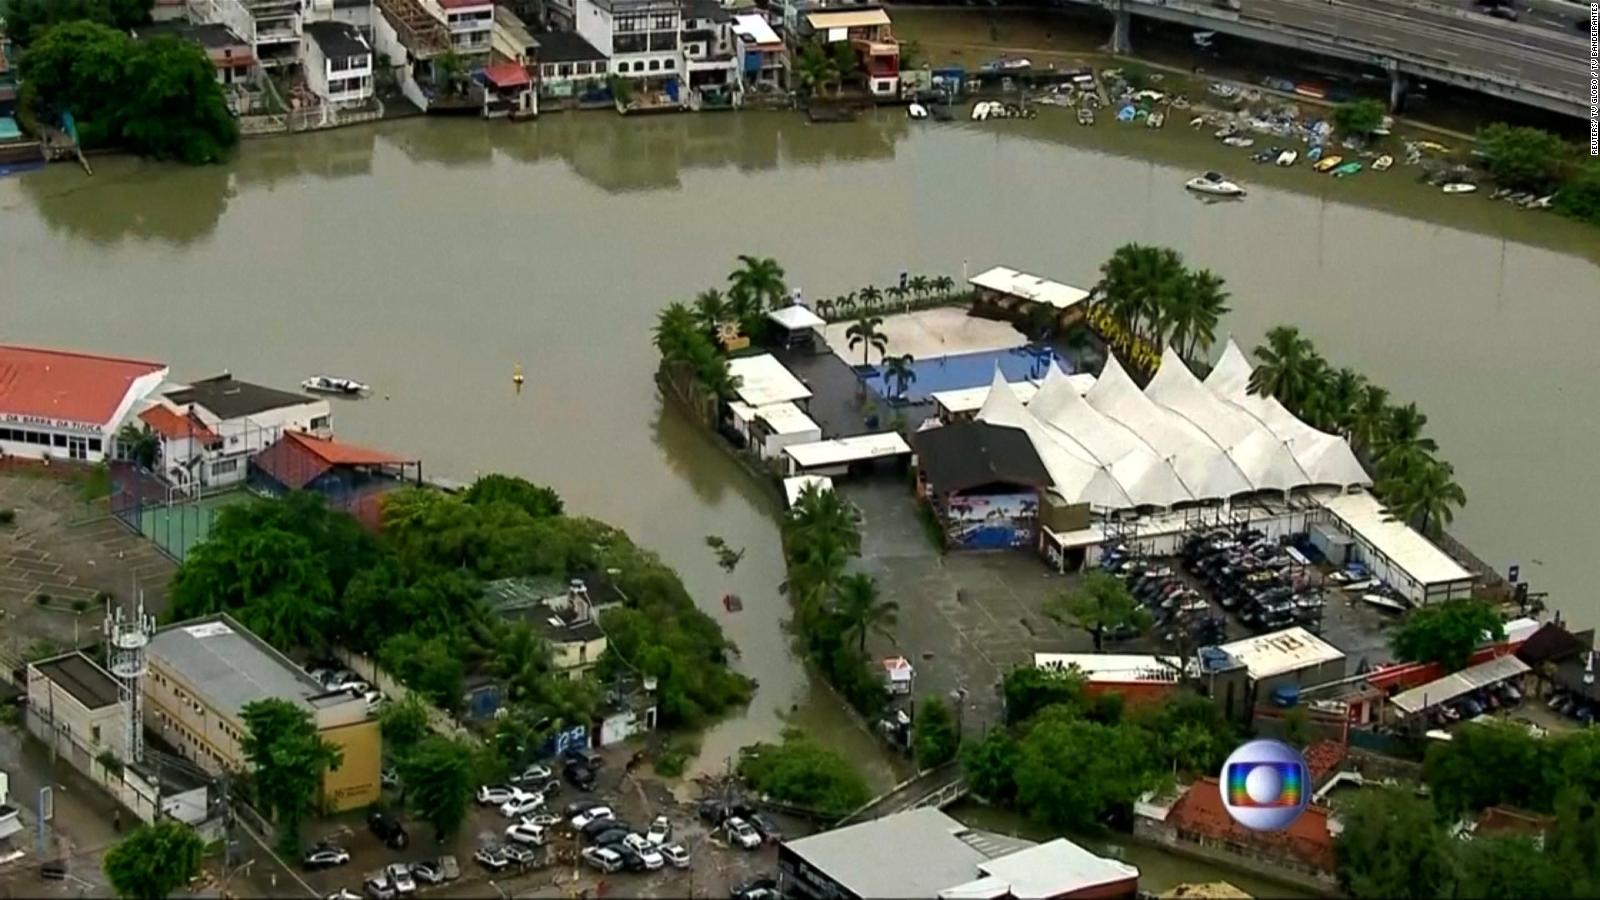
(338, 64)
(210, 429)
(56, 404)
(470, 23)
(640, 36)
(762, 60)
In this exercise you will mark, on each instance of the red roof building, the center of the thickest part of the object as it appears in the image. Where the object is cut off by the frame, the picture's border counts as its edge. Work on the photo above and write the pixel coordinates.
(173, 427)
(67, 405)
(1199, 815)
(349, 476)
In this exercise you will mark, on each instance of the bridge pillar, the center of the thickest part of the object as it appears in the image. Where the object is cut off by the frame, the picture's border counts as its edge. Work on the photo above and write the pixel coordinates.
(1397, 89)
(1121, 31)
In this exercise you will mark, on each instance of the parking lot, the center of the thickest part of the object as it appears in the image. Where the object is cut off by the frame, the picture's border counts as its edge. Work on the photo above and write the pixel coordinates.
(635, 798)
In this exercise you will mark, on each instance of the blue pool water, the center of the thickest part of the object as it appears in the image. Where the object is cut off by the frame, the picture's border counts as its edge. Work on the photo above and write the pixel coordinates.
(968, 370)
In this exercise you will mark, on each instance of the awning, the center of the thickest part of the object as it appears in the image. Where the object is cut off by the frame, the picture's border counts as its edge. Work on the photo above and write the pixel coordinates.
(1458, 684)
(507, 75)
(865, 18)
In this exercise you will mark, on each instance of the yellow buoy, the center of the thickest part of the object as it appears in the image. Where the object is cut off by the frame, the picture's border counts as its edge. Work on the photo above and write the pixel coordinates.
(516, 376)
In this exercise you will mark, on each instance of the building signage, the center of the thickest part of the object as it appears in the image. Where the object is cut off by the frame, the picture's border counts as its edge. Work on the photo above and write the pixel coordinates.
(43, 422)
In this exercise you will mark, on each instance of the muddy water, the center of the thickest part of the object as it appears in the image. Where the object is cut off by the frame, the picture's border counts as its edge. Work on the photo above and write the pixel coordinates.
(429, 257)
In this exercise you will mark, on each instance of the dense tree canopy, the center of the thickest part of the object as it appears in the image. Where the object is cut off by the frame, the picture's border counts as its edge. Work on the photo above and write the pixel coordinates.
(27, 19)
(1447, 633)
(287, 759)
(154, 860)
(1522, 158)
(805, 773)
(991, 766)
(1391, 846)
(1074, 773)
(934, 737)
(1359, 117)
(1028, 689)
(438, 778)
(1102, 603)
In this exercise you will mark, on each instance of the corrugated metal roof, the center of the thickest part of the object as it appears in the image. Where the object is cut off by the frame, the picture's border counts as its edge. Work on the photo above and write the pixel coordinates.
(1458, 684)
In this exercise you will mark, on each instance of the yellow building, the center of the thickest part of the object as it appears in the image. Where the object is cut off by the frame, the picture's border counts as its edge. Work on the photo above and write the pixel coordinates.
(205, 671)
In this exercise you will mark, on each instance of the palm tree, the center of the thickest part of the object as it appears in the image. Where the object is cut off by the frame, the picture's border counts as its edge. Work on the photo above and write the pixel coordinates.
(1404, 433)
(897, 294)
(1285, 366)
(1040, 321)
(1077, 342)
(139, 444)
(1137, 284)
(711, 308)
(1195, 312)
(521, 660)
(825, 309)
(870, 298)
(847, 304)
(761, 278)
(717, 379)
(1369, 418)
(861, 610)
(744, 307)
(898, 370)
(1424, 493)
(675, 327)
(865, 332)
(919, 285)
(943, 284)
(1338, 398)
(816, 70)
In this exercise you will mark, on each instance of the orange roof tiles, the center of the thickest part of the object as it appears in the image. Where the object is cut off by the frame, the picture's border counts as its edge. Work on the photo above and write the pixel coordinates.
(337, 453)
(1200, 811)
(61, 384)
(506, 74)
(1322, 758)
(170, 425)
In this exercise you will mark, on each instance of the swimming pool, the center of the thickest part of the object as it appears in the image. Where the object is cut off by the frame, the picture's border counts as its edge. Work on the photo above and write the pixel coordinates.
(967, 370)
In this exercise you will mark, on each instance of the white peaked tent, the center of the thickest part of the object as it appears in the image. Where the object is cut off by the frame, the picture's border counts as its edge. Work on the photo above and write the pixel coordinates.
(1326, 458)
(1074, 474)
(1263, 457)
(1143, 474)
(1207, 471)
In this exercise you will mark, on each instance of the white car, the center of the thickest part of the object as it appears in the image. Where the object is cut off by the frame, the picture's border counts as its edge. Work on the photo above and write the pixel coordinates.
(647, 851)
(542, 820)
(602, 858)
(500, 794)
(741, 834)
(400, 878)
(535, 774)
(676, 856)
(660, 831)
(517, 807)
(581, 820)
(524, 833)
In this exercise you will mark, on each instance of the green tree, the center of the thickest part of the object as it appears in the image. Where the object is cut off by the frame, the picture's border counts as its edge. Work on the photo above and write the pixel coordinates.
(438, 775)
(802, 772)
(1580, 196)
(1027, 690)
(1490, 763)
(898, 370)
(1101, 603)
(80, 67)
(536, 500)
(866, 333)
(1522, 158)
(404, 724)
(1391, 846)
(942, 284)
(675, 328)
(1447, 633)
(1402, 435)
(1286, 367)
(1507, 866)
(934, 737)
(287, 760)
(1422, 492)
(1137, 284)
(1073, 773)
(277, 581)
(429, 666)
(711, 309)
(1369, 418)
(1193, 312)
(991, 765)
(844, 61)
(1359, 117)
(1189, 732)
(862, 610)
(141, 445)
(28, 19)
(175, 109)
(919, 285)
(154, 860)
(816, 70)
(760, 279)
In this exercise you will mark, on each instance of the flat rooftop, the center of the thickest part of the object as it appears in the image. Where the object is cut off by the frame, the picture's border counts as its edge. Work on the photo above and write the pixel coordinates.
(917, 853)
(764, 381)
(1368, 522)
(227, 397)
(233, 668)
(1289, 650)
(1110, 667)
(929, 334)
(1023, 286)
(80, 677)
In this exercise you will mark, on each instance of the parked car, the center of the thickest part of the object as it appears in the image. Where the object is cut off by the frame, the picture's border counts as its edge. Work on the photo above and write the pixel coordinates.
(763, 887)
(631, 858)
(579, 776)
(583, 804)
(676, 856)
(500, 794)
(764, 826)
(427, 872)
(660, 831)
(594, 829)
(608, 834)
(741, 834)
(534, 773)
(602, 858)
(589, 815)
(378, 888)
(449, 867)
(491, 857)
(400, 878)
(389, 830)
(543, 820)
(584, 756)
(521, 833)
(324, 856)
(517, 807)
(523, 857)
(647, 851)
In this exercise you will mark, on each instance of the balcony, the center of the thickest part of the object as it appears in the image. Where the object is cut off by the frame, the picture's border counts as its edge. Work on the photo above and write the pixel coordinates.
(277, 32)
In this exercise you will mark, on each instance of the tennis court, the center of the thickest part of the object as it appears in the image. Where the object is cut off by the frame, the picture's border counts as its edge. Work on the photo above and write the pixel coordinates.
(177, 528)
(967, 370)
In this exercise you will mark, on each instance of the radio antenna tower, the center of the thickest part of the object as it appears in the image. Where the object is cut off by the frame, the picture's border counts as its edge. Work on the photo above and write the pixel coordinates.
(128, 635)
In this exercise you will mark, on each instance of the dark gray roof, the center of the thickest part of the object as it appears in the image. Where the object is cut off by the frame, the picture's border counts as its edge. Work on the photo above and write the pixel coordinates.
(213, 36)
(559, 627)
(79, 676)
(337, 39)
(1552, 643)
(228, 397)
(704, 34)
(706, 9)
(231, 668)
(968, 455)
(565, 46)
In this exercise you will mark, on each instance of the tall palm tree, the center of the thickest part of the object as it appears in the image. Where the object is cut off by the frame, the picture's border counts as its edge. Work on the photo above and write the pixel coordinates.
(897, 294)
(847, 304)
(861, 610)
(139, 444)
(825, 309)
(898, 370)
(1404, 433)
(943, 284)
(1369, 418)
(865, 332)
(711, 308)
(816, 70)
(1424, 494)
(1285, 367)
(744, 306)
(762, 279)
(1137, 284)
(1206, 303)
(675, 327)
(870, 298)
(919, 285)
(820, 512)
(521, 659)
(1337, 401)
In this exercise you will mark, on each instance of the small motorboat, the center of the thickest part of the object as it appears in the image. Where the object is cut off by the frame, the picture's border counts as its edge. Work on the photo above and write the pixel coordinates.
(1346, 170)
(1314, 154)
(328, 384)
(1459, 187)
(1085, 116)
(1239, 140)
(1287, 158)
(1227, 131)
(917, 111)
(1125, 114)
(1540, 202)
(1155, 120)
(1264, 156)
(1384, 602)
(1213, 183)
(1382, 163)
(1197, 121)
(1329, 163)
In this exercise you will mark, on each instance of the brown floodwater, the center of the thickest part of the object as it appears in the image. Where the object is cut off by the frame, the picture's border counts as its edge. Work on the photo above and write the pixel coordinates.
(430, 257)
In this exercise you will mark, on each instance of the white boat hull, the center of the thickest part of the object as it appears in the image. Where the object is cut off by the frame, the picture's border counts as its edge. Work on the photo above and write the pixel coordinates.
(1214, 188)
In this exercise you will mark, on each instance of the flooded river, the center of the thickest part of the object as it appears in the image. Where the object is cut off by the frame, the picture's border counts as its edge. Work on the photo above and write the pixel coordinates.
(429, 257)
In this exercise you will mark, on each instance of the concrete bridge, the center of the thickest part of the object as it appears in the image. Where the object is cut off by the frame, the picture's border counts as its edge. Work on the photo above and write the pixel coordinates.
(938, 788)
(1538, 66)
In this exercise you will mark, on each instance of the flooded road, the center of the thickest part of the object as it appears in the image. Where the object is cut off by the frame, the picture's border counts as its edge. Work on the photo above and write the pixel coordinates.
(430, 257)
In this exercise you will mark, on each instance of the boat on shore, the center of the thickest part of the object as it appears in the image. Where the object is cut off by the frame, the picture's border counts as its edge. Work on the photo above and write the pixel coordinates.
(1382, 163)
(1213, 183)
(1459, 187)
(1384, 602)
(1328, 163)
(1085, 116)
(1348, 169)
(1287, 158)
(1239, 140)
(329, 384)
(917, 111)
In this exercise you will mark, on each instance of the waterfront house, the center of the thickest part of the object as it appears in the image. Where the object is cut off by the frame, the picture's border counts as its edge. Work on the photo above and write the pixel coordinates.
(1197, 823)
(61, 405)
(563, 613)
(471, 27)
(338, 64)
(641, 38)
(348, 476)
(569, 66)
(272, 28)
(709, 65)
(762, 59)
(868, 32)
(230, 54)
(209, 429)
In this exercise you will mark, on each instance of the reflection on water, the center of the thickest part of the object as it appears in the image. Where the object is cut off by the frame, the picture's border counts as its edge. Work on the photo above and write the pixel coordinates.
(127, 200)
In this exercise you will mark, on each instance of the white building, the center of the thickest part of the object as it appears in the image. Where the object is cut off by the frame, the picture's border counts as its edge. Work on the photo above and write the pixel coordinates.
(709, 64)
(569, 65)
(210, 429)
(470, 23)
(56, 404)
(273, 28)
(640, 36)
(338, 64)
(761, 58)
